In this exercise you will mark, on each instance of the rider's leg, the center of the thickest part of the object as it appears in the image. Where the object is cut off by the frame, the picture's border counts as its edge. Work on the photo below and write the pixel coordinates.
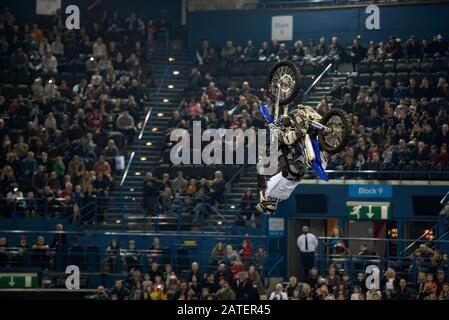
(280, 187)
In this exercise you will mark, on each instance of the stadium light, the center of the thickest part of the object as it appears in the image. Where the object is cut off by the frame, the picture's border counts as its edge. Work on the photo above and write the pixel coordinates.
(165, 100)
(149, 144)
(219, 222)
(176, 73)
(170, 86)
(171, 59)
(160, 114)
(154, 130)
(137, 173)
(143, 159)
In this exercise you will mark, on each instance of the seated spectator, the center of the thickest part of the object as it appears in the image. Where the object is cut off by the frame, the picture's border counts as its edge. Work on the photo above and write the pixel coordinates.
(225, 292)
(278, 293)
(229, 52)
(19, 60)
(386, 91)
(49, 63)
(125, 124)
(165, 201)
(179, 184)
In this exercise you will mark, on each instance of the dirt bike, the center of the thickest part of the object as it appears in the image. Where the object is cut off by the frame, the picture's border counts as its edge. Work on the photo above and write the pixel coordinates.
(329, 133)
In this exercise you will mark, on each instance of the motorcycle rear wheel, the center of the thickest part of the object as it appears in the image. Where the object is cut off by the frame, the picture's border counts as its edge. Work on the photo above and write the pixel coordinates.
(338, 138)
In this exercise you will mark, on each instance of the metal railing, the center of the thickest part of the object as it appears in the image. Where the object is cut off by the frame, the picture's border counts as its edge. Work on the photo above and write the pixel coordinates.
(384, 253)
(35, 208)
(122, 212)
(178, 250)
(283, 4)
(384, 175)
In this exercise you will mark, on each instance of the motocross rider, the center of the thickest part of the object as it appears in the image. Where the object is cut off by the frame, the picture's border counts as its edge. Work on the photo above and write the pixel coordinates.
(292, 164)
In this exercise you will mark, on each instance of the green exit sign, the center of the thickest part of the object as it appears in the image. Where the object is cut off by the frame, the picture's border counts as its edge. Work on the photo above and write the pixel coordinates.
(18, 280)
(368, 210)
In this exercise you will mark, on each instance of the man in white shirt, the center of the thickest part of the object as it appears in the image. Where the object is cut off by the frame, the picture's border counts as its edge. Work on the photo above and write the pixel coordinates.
(307, 244)
(278, 293)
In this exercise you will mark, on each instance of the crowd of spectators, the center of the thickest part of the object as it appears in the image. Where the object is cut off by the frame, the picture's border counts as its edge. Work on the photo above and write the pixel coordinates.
(400, 120)
(70, 101)
(229, 275)
(238, 274)
(191, 198)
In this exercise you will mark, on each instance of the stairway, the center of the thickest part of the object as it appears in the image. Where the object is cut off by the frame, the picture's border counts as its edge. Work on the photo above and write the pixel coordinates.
(148, 149)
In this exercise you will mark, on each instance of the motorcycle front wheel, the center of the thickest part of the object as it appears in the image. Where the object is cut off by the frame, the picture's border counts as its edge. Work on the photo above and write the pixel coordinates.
(337, 137)
(285, 75)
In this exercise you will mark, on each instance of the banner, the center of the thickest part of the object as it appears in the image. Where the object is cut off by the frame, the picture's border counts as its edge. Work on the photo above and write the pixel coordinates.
(47, 7)
(370, 191)
(282, 28)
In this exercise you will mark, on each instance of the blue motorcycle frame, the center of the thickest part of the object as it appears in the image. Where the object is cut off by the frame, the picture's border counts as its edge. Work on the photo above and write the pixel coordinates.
(317, 163)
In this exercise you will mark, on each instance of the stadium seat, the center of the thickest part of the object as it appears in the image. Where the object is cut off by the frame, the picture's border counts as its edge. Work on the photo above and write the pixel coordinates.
(249, 69)
(402, 77)
(64, 67)
(4, 62)
(445, 173)
(212, 69)
(420, 173)
(413, 65)
(389, 66)
(236, 69)
(79, 76)
(430, 76)
(23, 90)
(67, 77)
(439, 64)
(9, 91)
(77, 66)
(375, 66)
(434, 172)
(441, 74)
(426, 65)
(364, 79)
(407, 173)
(6, 76)
(363, 67)
(378, 77)
(22, 77)
(259, 82)
(416, 75)
(401, 65)
(308, 68)
(260, 69)
(222, 82)
(391, 76)
(239, 80)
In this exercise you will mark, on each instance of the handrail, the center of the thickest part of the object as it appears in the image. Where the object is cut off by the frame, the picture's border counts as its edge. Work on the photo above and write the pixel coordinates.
(146, 122)
(321, 3)
(306, 93)
(147, 117)
(379, 239)
(429, 231)
(234, 177)
(275, 265)
(159, 234)
(125, 175)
